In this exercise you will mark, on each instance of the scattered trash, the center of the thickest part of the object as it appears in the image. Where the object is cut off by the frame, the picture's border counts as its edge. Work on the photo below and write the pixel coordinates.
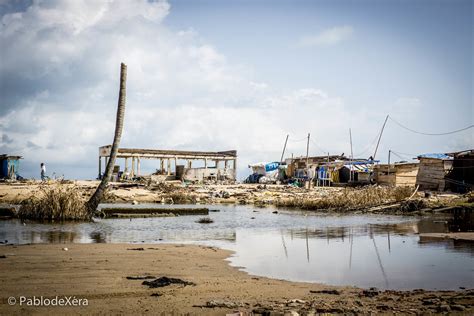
(205, 220)
(275, 212)
(373, 291)
(333, 292)
(165, 281)
(139, 249)
(3, 257)
(220, 304)
(156, 294)
(65, 249)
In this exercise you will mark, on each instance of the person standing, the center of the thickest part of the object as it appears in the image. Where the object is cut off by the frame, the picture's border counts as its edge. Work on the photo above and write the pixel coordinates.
(43, 171)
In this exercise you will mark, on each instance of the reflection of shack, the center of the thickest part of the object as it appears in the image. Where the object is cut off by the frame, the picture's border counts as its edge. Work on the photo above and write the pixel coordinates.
(220, 170)
(9, 167)
(433, 170)
(399, 174)
(461, 177)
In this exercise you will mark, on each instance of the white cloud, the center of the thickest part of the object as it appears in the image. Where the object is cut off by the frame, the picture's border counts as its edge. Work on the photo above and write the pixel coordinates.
(327, 37)
(59, 102)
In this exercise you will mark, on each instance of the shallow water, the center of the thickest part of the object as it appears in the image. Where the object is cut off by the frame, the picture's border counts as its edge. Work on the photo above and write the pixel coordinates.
(361, 250)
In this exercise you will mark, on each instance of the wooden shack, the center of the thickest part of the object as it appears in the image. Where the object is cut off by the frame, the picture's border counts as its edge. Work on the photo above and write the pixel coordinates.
(398, 174)
(384, 174)
(406, 174)
(432, 172)
(461, 177)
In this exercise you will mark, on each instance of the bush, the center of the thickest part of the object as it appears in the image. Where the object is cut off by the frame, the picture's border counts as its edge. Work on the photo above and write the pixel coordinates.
(55, 203)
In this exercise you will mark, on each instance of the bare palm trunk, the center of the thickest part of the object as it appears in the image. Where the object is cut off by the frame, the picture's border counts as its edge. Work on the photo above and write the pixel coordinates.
(99, 192)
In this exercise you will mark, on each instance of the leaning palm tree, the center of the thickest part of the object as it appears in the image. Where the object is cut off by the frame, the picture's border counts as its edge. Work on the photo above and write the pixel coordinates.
(99, 192)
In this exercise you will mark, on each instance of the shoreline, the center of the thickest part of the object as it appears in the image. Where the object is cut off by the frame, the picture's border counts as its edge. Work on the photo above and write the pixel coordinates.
(98, 273)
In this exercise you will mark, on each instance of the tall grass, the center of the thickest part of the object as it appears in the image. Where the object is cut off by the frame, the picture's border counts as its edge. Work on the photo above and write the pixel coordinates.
(55, 203)
(350, 199)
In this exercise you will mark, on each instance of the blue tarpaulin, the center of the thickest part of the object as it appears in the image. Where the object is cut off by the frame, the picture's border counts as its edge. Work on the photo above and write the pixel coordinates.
(435, 156)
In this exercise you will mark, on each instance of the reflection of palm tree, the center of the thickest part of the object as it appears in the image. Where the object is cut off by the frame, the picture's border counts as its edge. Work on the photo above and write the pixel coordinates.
(99, 192)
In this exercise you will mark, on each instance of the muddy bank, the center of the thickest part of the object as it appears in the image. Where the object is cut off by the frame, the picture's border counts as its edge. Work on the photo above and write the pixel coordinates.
(98, 273)
(466, 236)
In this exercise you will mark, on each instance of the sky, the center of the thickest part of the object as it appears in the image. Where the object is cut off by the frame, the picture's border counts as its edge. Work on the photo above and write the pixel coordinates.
(221, 75)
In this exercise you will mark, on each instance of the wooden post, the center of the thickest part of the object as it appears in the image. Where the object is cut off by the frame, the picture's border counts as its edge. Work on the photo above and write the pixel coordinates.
(100, 168)
(132, 173)
(169, 167)
(388, 168)
(307, 151)
(352, 156)
(138, 166)
(380, 136)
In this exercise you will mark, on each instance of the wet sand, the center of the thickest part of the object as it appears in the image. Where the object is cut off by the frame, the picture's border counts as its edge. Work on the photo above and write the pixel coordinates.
(97, 272)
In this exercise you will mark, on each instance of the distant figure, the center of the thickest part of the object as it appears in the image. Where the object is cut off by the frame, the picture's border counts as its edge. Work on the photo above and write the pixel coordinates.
(43, 172)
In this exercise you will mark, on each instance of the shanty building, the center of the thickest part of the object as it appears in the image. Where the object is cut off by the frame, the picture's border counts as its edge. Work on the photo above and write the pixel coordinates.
(398, 174)
(10, 167)
(220, 165)
(461, 177)
(433, 170)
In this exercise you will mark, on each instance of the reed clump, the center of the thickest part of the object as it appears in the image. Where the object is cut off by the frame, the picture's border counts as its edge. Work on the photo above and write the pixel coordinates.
(350, 199)
(55, 203)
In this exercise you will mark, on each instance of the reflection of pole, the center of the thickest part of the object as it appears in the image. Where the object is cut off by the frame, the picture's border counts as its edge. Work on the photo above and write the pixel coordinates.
(388, 238)
(284, 245)
(284, 147)
(380, 263)
(350, 255)
(307, 246)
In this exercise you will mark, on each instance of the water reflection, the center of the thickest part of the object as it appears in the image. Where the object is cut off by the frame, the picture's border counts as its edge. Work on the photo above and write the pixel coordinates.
(362, 250)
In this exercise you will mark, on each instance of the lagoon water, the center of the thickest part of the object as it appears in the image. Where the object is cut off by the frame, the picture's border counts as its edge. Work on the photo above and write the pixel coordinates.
(360, 250)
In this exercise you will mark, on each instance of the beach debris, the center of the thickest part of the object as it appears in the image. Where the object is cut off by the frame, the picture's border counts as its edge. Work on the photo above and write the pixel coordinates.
(3, 257)
(275, 212)
(205, 220)
(138, 249)
(156, 294)
(134, 202)
(165, 281)
(373, 291)
(220, 304)
(65, 249)
(141, 277)
(326, 291)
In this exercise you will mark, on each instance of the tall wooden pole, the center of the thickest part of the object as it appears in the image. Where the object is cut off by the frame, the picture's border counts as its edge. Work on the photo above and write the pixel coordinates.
(307, 151)
(284, 147)
(352, 155)
(380, 136)
(388, 169)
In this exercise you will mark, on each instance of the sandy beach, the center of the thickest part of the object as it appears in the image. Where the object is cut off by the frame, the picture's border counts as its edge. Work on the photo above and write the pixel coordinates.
(98, 273)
